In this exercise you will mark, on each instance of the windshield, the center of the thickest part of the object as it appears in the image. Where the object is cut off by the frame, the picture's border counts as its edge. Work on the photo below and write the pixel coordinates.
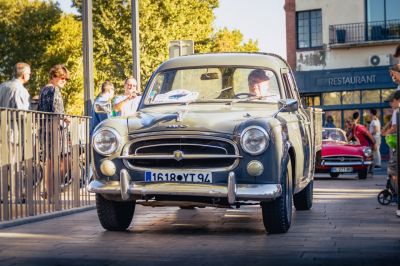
(333, 134)
(213, 84)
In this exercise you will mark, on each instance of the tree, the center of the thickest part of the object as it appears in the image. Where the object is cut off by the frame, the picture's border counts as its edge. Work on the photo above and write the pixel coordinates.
(231, 41)
(160, 22)
(38, 33)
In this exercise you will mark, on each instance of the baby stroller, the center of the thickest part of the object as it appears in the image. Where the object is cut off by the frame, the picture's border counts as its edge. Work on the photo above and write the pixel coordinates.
(389, 194)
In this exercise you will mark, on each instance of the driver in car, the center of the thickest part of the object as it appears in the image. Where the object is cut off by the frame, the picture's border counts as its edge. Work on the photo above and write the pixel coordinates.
(258, 82)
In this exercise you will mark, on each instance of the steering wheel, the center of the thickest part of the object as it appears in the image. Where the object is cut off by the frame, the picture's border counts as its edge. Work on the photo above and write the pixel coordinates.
(244, 95)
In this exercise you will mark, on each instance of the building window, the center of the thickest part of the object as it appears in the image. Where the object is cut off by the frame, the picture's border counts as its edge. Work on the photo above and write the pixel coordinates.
(309, 29)
(383, 10)
(351, 97)
(331, 98)
(371, 96)
(312, 100)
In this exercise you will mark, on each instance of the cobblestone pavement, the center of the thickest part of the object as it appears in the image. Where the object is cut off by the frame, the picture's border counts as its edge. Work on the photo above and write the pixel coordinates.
(346, 226)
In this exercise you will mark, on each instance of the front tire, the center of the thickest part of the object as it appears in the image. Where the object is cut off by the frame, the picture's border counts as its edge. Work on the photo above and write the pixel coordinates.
(114, 215)
(334, 175)
(304, 199)
(277, 215)
(362, 174)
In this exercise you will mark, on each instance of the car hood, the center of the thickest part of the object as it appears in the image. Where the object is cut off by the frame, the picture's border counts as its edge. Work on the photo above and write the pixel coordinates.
(341, 148)
(219, 118)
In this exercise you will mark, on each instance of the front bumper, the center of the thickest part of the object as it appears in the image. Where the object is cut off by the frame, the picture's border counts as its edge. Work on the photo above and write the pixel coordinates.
(232, 191)
(340, 164)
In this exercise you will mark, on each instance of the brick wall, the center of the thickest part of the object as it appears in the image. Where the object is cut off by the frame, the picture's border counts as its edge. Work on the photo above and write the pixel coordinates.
(290, 9)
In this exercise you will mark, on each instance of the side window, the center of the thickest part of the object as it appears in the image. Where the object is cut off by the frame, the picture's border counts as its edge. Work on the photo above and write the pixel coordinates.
(288, 89)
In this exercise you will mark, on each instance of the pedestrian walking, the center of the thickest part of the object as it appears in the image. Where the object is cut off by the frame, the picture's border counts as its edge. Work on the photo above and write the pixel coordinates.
(13, 94)
(128, 103)
(375, 130)
(50, 100)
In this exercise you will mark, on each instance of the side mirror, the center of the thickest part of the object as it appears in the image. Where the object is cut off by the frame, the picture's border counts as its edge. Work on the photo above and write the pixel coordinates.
(287, 105)
(102, 107)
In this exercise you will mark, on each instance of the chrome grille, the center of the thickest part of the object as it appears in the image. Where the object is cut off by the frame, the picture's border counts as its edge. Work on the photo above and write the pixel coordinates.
(184, 152)
(342, 159)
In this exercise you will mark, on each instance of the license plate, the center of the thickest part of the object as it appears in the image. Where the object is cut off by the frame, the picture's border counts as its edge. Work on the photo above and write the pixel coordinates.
(342, 170)
(178, 176)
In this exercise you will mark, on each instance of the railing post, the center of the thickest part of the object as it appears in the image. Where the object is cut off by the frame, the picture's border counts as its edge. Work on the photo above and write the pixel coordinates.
(4, 164)
(28, 157)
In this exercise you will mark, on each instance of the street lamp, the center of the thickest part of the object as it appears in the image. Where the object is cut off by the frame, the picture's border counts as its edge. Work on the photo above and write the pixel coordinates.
(87, 36)
(135, 41)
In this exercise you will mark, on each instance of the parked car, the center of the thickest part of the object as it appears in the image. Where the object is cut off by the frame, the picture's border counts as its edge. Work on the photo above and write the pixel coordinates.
(338, 156)
(200, 138)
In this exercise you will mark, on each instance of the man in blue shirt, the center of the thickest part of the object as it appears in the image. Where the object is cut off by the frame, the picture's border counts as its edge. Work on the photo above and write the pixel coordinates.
(105, 96)
(13, 94)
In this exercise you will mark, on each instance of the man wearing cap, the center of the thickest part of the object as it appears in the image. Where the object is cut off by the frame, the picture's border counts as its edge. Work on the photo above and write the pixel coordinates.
(259, 84)
(395, 71)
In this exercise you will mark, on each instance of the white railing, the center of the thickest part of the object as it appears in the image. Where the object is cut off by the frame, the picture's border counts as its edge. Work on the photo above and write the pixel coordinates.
(44, 163)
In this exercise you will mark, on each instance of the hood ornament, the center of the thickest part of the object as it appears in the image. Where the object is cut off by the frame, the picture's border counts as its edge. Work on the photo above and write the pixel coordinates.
(178, 155)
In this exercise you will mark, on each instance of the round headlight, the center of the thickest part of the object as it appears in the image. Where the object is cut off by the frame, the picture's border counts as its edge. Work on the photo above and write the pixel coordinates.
(254, 140)
(367, 152)
(106, 141)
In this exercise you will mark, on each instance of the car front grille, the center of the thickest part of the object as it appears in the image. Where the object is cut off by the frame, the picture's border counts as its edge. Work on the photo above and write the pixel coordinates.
(181, 152)
(335, 159)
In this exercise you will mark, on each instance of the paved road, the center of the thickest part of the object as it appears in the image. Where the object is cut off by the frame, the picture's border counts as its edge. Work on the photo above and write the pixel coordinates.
(346, 226)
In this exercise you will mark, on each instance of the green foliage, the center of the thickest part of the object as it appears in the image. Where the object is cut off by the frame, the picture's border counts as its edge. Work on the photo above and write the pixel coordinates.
(36, 32)
(231, 41)
(160, 22)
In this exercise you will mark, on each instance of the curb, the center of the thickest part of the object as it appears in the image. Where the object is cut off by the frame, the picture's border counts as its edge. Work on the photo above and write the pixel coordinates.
(46, 216)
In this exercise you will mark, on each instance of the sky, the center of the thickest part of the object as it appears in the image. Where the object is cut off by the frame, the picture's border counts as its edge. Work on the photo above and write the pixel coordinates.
(262, 20)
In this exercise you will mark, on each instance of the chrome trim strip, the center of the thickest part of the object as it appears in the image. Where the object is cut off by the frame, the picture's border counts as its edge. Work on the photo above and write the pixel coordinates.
(184, 156)
(342, 155)
(181, 144)
(125, 151)
(231, 188)
(345, 163)
(124, 182)
(256, 192)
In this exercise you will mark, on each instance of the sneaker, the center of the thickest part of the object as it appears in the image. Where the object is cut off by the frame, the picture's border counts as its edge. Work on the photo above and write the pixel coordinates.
(377, 167)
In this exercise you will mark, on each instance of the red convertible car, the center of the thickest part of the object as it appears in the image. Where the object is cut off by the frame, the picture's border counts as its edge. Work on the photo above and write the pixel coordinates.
(338, 156)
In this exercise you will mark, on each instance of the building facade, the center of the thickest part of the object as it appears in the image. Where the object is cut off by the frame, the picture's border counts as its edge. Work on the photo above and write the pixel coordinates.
(341, 51)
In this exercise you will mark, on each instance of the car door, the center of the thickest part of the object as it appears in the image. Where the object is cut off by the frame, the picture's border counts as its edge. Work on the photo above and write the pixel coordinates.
(304, 125)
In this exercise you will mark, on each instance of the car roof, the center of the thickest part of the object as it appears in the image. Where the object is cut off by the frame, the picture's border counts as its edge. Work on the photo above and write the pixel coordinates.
(258, 60)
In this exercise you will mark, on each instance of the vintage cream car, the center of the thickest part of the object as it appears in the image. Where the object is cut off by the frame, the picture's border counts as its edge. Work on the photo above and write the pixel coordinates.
(209, 132)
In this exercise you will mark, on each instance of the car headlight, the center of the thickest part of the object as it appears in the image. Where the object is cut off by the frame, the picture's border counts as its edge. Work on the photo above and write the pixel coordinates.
(367, 152)
(106, 141)
(254, 140)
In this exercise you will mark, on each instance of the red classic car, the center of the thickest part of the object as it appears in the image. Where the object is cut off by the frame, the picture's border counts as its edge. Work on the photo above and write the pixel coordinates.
(339, 156)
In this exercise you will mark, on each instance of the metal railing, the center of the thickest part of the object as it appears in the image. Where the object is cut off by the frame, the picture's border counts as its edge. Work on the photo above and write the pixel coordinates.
(44, 163)
(364, 32)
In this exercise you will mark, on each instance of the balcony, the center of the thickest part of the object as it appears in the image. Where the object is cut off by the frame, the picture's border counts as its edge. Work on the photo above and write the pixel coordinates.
(364, 33)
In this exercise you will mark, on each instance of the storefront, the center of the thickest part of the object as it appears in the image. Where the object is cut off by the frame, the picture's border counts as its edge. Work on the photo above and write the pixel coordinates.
(341, 92)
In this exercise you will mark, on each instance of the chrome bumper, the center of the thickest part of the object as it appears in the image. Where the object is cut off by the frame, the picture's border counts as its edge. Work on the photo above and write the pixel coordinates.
(232, 191)
(345, 163)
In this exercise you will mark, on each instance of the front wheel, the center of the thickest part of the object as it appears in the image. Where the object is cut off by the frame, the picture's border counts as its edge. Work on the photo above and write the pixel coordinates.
(114, 215)
(334, 175)
(304, 199)
(277, 215)
(362, 174)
